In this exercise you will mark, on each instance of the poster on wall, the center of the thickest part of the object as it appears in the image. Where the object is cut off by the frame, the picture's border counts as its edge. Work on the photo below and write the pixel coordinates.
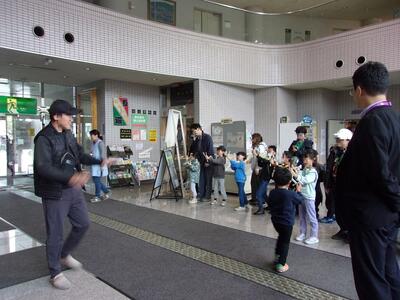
(152, 135)
(136, 135)
(217, 133)
(125, 134)
(120, 111)
(139, 127)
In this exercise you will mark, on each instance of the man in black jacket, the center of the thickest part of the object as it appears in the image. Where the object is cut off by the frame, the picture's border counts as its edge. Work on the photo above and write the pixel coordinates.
(203, 144)
(368, 187)
(58, 181)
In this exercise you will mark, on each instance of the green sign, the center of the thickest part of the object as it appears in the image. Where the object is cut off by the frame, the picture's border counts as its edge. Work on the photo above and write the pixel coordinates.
(139, 120)
(17, 105)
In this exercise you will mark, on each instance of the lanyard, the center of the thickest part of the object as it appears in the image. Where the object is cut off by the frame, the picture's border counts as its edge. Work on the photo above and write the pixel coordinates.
(383, 103)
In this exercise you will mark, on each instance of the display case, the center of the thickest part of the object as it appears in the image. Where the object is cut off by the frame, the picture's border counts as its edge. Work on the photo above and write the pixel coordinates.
(120, 173)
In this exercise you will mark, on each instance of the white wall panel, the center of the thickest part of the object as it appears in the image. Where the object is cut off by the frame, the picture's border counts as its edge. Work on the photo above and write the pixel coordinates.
(219, 101)
(113, 39)
(141, 97)
(265, 114)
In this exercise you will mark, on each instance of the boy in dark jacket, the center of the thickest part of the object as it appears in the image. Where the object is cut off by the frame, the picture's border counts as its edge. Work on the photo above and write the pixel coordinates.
(218, 165)
(300, 146)
(282, 203)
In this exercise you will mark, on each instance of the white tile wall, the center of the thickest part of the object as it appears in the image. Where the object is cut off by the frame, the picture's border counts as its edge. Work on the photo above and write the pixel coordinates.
(139, 97)
(112, 39)
(265, 114)
(219, 101)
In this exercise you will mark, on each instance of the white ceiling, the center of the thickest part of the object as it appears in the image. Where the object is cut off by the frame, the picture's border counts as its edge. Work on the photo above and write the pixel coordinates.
(23, 66)
(340, 9)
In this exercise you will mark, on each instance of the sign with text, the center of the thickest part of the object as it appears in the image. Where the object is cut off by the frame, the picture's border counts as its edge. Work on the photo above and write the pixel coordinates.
(125, 134)
(17, 105)
(152, 135)
(139, 120)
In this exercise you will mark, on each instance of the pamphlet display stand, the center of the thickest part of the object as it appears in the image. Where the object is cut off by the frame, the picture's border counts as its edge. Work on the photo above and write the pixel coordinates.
(121, 172)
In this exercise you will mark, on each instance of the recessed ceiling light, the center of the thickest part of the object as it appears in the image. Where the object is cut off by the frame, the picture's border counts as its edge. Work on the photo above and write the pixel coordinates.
(87, 69)
(11, 64)
(48, 61)
(154, 79)
(65, 77)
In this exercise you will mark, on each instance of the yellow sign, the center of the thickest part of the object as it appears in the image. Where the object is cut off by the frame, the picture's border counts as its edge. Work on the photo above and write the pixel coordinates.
(153, 135)
(31, 131)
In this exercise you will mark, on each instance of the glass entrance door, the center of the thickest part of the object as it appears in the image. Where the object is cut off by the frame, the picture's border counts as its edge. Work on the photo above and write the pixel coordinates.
(16, 145)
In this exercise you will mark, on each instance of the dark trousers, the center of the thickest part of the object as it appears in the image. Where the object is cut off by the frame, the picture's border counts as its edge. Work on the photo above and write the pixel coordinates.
(205, 182)
(262, 193)
(375, 268)
(242, 194)
(282, 244)
(72, 205)
(318, 199)
(330, 203)
(254, 182)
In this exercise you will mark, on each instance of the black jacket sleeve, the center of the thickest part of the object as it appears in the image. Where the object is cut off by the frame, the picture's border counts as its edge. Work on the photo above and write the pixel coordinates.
(328, 180)
(43, 159)
(85, 158)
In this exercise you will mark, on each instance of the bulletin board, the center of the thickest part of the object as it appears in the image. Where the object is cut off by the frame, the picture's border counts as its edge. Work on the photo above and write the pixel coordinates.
(232, 136)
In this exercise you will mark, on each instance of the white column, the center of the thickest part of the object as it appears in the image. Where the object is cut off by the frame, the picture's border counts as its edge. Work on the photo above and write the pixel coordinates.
(255, 25)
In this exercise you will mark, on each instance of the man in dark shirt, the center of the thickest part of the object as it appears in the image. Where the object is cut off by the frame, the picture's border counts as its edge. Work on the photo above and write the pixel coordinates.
(368, 187)
(203, 144)
(300, 146)
(58, 181)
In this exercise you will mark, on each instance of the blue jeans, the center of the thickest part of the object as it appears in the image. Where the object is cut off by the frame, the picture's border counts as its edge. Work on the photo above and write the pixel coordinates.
(242, 194)
(99, 186)
(262, 193)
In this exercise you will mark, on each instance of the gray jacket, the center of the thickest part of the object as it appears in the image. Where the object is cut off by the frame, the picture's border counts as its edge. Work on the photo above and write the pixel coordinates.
(218, 164)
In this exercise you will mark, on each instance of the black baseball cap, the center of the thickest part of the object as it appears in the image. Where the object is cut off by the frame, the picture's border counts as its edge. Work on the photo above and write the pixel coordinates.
(62, 107)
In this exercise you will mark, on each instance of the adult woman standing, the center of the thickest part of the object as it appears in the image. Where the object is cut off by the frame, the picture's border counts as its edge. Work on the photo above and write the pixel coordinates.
(98, 151)
(259, 147)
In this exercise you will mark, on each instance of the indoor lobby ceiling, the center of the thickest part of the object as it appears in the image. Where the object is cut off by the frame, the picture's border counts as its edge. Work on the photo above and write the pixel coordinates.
(339, 9)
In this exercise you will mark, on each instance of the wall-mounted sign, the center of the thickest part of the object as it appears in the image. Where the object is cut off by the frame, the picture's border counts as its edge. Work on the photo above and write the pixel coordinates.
(120, 111)
(139, 120)
(17, 105)
(152, 135)
(125, 134)
(307, 120)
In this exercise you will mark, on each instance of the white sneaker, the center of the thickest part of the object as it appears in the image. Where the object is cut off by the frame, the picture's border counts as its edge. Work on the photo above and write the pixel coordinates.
(106, 196)
(240, 208)
(311, 240)
(95, 199)
(214, 202)
(223, 202)
(71, 262)
(60, 282)
(193, 201)
(301, 237)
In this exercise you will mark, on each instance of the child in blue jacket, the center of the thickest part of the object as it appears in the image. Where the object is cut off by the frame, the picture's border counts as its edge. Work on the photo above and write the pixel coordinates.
(239, 167)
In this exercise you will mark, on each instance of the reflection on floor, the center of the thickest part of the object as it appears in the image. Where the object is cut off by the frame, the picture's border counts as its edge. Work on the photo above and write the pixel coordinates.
(225, 216)
(16, 181)
(16, 240)
(86, 286)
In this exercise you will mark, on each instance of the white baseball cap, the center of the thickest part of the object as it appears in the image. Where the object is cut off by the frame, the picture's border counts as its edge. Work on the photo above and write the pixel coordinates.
(343, 134)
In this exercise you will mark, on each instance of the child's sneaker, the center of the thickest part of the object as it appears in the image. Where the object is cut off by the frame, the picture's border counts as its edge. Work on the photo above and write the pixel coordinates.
(240, 208)
(280, 268)
(214, 202)
(193, 201)
(95, 199)
(223, 202)
(312, 240)
(301, 237)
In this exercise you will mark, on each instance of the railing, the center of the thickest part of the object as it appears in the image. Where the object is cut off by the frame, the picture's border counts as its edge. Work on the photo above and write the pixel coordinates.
(273, 24)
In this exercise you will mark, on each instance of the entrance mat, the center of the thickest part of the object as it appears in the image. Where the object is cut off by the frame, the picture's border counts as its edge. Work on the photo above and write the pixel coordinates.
(22, 266)
(136, 268)
(317, 268)
(5, 226)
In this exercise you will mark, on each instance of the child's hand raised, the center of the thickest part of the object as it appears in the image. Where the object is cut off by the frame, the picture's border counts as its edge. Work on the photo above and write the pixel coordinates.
(298, 187)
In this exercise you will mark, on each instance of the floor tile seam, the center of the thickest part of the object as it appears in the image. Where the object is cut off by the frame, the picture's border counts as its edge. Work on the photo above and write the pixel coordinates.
(282, 281)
